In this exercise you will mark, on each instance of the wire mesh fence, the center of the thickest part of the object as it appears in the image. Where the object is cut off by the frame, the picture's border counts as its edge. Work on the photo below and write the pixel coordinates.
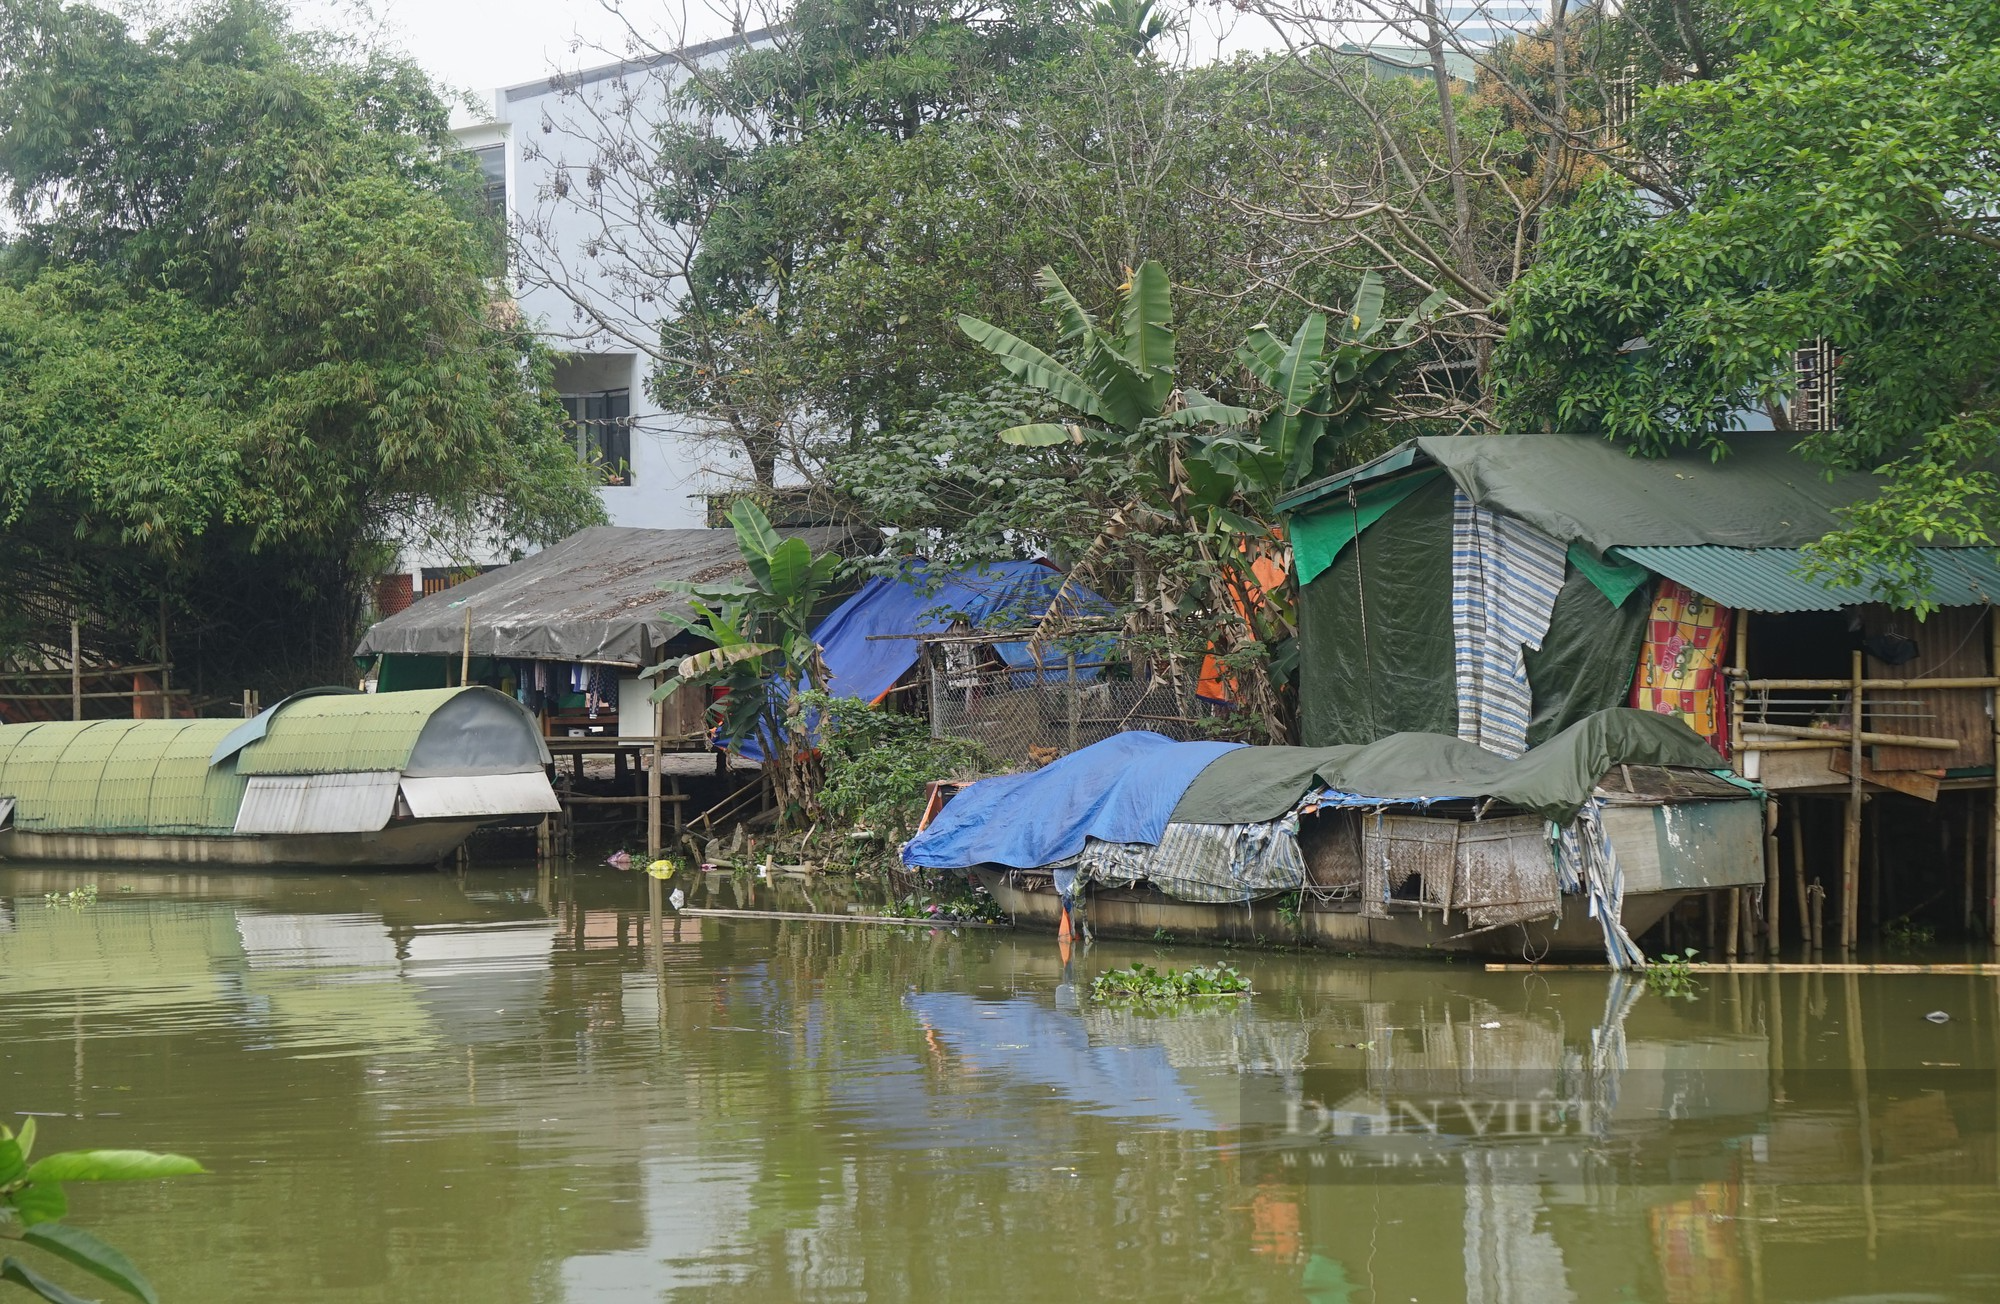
(1033, 713)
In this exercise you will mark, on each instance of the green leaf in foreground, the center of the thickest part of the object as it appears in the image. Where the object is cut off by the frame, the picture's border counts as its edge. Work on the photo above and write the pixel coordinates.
(111, 1166)
(93, 1256)
(22, 1275)
(39, 1202)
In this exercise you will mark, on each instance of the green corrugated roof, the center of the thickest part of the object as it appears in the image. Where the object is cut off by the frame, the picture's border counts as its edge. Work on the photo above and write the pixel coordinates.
(1769, 579)
(119, 776)
(344, 734)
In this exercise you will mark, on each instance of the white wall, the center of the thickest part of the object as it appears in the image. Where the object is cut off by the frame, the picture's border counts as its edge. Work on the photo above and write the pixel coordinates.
(594, 269)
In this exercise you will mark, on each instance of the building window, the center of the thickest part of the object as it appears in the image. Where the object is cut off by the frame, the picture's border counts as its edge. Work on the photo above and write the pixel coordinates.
(601, 424)
(1816, 400)
(492, 160)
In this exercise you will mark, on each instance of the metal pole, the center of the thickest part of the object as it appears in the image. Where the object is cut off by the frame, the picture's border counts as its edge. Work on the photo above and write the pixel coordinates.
(76, 670)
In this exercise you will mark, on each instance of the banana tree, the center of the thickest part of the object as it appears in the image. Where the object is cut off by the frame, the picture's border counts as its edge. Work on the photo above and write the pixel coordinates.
(760, 643)
(1208, 469)
(1324, 385)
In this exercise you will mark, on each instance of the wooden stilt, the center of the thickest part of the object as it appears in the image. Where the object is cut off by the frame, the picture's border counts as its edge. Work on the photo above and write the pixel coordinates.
(653, 784)
(1872, 835)
(1965, 853)
(1850, 847)
(1773, 883)
(1993, 830)
(1735, 895)
(1799, 872)
(166, 667)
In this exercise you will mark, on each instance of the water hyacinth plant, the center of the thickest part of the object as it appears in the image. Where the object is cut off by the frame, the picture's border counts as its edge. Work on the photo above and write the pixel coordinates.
(1142, 982)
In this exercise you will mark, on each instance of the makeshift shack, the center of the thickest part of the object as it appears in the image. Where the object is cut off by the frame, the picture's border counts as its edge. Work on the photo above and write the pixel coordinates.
(1503, 588)
(566, 631)
(1006, 654)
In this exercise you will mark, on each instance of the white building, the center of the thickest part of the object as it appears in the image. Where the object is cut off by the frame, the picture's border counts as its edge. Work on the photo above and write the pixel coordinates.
(569, 160)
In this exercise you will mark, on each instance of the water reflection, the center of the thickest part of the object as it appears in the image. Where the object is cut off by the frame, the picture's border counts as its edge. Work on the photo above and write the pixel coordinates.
(512, 1086)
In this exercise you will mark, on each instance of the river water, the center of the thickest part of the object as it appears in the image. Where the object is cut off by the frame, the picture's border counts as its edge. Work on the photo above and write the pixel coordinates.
(500, 1086)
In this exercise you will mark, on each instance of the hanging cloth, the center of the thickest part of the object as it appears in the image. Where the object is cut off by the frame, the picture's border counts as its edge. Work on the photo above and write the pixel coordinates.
(1680, 667)
(1505, 575)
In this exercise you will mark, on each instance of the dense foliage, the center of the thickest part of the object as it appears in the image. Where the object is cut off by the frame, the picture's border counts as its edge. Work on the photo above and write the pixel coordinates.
(249, 342)
(1835, 179)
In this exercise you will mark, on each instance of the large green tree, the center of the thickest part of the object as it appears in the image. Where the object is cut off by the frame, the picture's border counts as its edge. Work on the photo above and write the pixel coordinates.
(250, 345)
(1835, 181)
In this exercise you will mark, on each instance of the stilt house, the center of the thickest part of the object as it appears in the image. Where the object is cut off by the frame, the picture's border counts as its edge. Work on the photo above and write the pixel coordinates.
(1502, 588)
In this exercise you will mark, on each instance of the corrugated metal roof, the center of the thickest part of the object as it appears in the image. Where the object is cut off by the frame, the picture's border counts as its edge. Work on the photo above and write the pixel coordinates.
(118, 776)
(1769, 579)
(158, 776)
(350, 732)
(344, 734)
(595, 596)
(319, 803)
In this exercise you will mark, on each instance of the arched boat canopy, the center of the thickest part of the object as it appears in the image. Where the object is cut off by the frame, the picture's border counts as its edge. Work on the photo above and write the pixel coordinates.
(332, 762)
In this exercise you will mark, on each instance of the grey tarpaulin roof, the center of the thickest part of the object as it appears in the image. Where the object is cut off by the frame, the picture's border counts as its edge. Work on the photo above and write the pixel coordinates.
(1762, 495)
(595, 596)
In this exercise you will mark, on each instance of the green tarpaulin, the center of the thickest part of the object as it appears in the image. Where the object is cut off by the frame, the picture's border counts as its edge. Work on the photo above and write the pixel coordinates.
(1317, 538)
(1762, 495)
(1375, 630)
(1257, 784)
(1614, 578)
(1587, 658)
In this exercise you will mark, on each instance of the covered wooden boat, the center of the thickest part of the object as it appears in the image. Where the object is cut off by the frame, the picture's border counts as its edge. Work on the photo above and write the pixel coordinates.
(1418, 843)
(322, 778)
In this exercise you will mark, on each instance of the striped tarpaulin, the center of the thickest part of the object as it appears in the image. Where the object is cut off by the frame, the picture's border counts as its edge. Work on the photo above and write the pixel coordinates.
(1505, 575)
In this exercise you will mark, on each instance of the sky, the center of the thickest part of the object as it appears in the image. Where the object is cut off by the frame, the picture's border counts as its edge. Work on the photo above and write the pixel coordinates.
(478, 45)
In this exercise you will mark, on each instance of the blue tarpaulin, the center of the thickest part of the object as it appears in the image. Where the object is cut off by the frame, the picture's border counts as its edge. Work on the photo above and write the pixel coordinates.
(861, 662)
(1119, 790)
(1016, 591)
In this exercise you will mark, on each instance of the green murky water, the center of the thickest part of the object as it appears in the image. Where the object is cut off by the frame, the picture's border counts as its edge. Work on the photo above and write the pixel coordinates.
(494, 1087)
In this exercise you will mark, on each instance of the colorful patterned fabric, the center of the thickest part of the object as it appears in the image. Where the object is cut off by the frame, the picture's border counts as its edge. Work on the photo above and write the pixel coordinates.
(1680, 667)
(1505, 575)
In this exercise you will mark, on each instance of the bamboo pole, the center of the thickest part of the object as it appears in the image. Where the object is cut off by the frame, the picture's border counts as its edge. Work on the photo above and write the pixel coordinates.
(1960, 681)
(1738, 690)
(1773, 886)
(76, 670)
(1735, 922)
(1850, 847)
(1972, 969)
(703, 912)
(653, 783)
(465, 653)
(1993, 839)
(1840, 736)
(166, 667)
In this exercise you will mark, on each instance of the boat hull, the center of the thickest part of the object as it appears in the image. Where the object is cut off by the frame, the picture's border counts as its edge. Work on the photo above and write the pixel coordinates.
(1147, 914)
(419, 842)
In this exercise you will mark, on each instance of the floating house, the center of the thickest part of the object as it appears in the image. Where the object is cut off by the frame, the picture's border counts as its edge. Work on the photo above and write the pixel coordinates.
(1500, 589)
(326, 778)
(1416, 843)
